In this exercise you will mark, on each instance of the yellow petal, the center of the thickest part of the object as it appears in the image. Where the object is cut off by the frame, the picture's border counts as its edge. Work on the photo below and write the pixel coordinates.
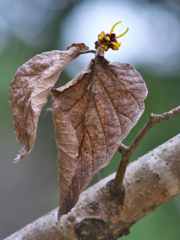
(116, 45)
(107, 38)
(115, 25)
(123, 33)
(101, 36)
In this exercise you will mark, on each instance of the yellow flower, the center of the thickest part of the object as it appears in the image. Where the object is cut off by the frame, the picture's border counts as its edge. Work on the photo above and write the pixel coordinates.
(109, 40)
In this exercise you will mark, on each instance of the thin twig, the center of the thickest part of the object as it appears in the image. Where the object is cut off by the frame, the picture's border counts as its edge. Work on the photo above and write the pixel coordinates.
(128, 151)
(88, 51)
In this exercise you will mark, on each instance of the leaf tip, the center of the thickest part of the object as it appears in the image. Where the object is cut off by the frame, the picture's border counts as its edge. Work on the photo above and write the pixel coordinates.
(21, 155)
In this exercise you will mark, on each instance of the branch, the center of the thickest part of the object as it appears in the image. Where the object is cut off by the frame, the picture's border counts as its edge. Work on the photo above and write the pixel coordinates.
(150, 181)
(128, 151)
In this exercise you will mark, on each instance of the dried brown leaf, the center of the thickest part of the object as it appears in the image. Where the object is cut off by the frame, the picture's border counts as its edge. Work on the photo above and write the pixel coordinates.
(30, 89)
(92, 114)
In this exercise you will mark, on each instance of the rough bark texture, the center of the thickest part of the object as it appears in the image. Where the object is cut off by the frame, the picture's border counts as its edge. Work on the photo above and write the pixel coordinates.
(92, 114)
(150, 181)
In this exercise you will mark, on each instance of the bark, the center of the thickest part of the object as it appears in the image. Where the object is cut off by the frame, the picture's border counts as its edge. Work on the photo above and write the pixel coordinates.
(150, 181)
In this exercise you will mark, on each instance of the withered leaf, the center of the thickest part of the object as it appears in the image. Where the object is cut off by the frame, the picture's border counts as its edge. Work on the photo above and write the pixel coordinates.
(92, 114)
(30, 89)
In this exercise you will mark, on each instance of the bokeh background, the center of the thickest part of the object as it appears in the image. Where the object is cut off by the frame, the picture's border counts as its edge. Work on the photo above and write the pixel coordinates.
(29, 189)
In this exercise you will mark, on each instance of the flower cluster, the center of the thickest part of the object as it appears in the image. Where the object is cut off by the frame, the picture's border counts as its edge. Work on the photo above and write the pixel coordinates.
(109, 40)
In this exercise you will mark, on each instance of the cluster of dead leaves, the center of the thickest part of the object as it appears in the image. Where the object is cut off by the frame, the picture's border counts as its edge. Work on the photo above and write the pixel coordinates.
(92, 113)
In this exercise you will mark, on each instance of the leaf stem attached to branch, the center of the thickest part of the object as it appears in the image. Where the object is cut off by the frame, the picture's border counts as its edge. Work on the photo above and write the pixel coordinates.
(127, 151)
(88, 51)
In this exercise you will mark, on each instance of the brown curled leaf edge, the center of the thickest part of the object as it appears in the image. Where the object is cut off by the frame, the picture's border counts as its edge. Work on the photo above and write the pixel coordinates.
(30, 89)
(92, 114)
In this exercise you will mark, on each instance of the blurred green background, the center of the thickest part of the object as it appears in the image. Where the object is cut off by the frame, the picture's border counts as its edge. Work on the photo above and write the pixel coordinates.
(29, 189)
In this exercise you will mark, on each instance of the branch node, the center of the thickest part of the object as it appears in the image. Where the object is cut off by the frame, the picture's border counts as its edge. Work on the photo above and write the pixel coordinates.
(128, 151)
(117, 191)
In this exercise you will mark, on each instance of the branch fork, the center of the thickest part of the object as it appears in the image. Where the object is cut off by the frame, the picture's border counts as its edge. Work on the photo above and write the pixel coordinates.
(127, 151)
